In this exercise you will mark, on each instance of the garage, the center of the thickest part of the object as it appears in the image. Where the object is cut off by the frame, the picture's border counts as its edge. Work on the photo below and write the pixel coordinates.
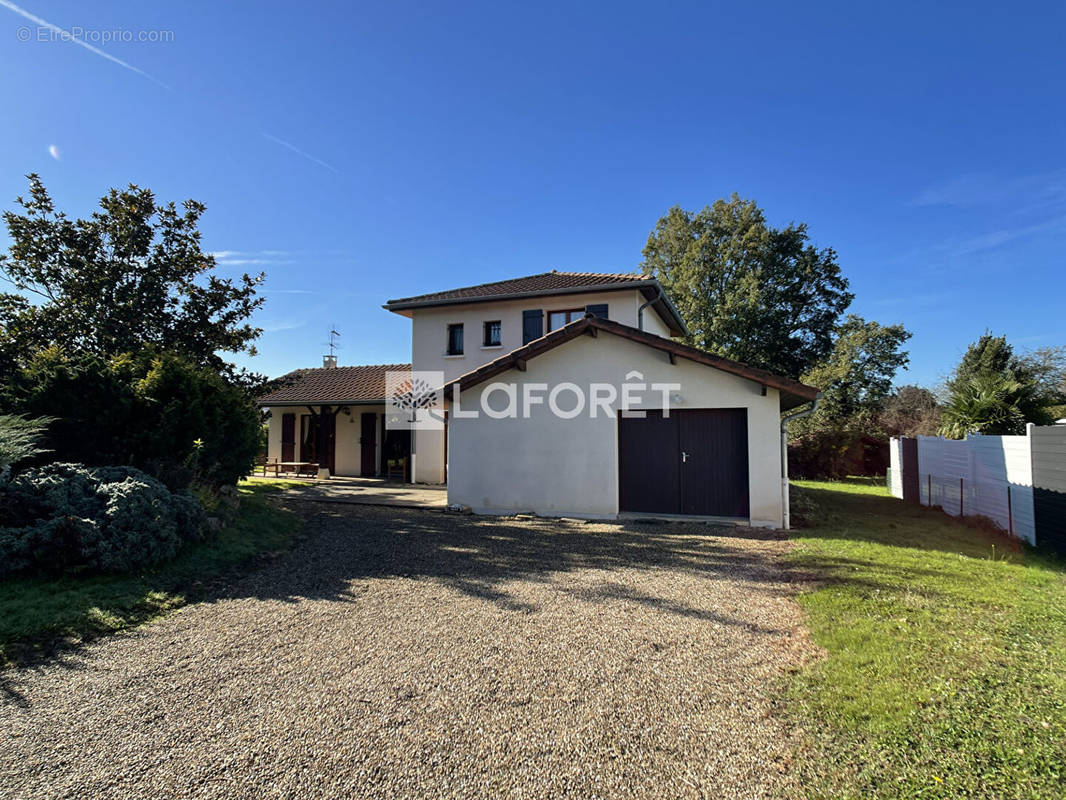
(691, 461)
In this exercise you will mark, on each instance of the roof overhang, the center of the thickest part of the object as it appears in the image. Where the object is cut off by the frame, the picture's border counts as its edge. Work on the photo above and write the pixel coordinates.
(305, 403)
(792, 393)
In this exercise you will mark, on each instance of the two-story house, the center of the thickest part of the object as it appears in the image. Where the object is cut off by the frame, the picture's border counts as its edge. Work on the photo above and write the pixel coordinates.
(566, 394)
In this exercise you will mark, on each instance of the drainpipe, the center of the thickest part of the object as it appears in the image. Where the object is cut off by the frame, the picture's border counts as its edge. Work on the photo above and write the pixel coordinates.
(784, 453)
(640, 311)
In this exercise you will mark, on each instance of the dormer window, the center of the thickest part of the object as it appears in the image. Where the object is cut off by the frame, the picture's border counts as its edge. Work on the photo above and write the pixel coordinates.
(493, 331)
(455, 339)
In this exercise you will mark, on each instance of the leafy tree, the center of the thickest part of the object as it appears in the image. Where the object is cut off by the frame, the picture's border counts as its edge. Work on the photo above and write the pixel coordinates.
(857, 375)
(990, 403)
(910, 411)
(131, 276)
(155, 411)
(750, 292)
(992, 392)
(843, 437)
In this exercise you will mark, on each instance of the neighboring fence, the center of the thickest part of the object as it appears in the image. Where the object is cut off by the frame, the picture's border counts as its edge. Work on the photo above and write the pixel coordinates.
(993, 477)
(1049, 485)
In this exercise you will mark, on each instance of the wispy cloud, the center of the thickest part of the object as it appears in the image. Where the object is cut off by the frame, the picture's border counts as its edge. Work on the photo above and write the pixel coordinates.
(984, 188)
(998, 238)
(53, 151)
(244, 258)
(69, 37)
(295, 149)
(282, 325)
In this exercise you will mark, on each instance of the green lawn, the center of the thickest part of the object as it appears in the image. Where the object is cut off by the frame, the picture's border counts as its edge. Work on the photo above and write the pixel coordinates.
(945, 667)
(36, 612)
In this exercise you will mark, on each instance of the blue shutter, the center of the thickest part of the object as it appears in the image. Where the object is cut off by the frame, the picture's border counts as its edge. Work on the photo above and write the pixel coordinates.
(532, 325)
(597, 310)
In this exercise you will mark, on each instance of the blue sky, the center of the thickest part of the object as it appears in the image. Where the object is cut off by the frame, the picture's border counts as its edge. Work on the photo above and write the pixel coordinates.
(362, 151)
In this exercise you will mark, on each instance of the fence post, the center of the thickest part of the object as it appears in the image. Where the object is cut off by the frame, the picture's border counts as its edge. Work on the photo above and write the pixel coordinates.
(960, 497)
(1010, 513)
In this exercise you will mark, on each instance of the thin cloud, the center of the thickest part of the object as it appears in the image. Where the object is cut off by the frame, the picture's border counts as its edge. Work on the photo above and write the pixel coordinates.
(983, 189)
(294, 149)
(68, 36)
(283, 325)
(53, 151)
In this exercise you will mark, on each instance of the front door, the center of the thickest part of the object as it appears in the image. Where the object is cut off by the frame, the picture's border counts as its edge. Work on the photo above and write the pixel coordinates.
(692, 462)
(368, 440)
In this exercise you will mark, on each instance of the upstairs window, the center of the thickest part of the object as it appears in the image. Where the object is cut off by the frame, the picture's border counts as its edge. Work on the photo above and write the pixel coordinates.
(556, 319)
(492, 333)
(455, 339)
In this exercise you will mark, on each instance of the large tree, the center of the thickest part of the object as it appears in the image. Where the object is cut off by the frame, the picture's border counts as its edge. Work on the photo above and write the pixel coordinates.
(910, 411)
(131, 276)
(993, 392)
(757, 294)
(857, 376)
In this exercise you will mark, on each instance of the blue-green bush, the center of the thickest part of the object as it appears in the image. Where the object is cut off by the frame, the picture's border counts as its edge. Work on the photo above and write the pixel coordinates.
(107, 519)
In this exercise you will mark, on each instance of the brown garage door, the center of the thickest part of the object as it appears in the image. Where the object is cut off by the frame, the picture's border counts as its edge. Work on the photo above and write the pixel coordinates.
(692, 462)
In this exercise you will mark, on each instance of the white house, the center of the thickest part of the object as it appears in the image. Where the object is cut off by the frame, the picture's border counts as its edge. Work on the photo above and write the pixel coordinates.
(566, 394)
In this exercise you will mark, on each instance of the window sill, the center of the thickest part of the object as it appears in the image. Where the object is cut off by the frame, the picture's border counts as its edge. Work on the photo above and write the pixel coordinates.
(492, 347)
(455, 355)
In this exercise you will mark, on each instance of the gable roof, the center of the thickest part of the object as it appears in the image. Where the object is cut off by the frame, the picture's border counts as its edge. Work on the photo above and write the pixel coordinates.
(547, 284)
(333, 385)
(793, 393)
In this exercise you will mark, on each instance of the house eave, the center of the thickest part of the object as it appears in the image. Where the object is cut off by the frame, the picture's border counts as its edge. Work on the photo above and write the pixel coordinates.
(649, 287)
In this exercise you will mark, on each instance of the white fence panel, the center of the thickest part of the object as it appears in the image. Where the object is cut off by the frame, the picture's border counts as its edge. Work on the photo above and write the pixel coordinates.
(990, 476)
(895, 467)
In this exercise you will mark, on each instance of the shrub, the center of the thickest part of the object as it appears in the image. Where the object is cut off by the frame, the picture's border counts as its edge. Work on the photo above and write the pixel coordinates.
(107, 519)
(157, 411)
(20, 439)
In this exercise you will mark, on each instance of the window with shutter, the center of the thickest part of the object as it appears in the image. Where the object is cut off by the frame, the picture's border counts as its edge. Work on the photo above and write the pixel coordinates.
(455, 339)
(532, 325)
(597, 310)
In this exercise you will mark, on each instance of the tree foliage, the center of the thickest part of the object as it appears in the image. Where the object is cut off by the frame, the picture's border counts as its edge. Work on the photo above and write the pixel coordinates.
(131, 276)
(993, 392)
(750, 292)
(156, 411)
(910, 411)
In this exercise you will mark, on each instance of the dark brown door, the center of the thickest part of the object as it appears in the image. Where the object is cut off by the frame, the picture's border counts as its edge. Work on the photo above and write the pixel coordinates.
(288, 437)
(368, 440)
(912, 489)
(327, 440)
(692, 462)
(649, 467)
(714, 462)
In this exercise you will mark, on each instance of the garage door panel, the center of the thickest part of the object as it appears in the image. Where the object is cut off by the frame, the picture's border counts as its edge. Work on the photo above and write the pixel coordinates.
(649, 464)
(692, 462)
(714, 472)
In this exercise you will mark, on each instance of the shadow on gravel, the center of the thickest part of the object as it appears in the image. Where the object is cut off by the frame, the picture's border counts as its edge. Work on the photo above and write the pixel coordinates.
(478, 556)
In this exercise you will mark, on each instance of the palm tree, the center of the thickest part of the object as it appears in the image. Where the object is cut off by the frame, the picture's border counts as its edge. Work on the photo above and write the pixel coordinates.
(989, 403)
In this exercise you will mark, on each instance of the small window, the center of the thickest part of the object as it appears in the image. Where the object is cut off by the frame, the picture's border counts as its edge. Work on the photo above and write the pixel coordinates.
(492, 333)
(556, 319)
(455, 339)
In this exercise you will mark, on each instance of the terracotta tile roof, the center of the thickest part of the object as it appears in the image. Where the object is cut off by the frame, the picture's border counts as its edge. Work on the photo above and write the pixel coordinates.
(331, 385)
(792, 392)
(553, 282)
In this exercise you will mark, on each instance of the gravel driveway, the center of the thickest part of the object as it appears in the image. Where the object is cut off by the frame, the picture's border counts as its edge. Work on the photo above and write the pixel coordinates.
(400, 653)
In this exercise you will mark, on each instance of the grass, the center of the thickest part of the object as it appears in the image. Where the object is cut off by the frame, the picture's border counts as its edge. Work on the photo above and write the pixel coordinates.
(944, 674)
(38, 613)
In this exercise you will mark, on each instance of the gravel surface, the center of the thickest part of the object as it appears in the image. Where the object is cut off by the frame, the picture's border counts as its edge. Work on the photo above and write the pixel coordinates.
(399, 653)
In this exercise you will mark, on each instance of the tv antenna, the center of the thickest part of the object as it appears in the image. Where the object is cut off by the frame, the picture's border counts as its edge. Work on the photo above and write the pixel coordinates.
(334, 334)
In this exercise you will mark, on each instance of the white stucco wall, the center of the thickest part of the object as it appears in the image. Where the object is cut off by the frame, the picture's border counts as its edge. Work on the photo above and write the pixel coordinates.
(348, 454)
(559, 467)
(429, 326)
